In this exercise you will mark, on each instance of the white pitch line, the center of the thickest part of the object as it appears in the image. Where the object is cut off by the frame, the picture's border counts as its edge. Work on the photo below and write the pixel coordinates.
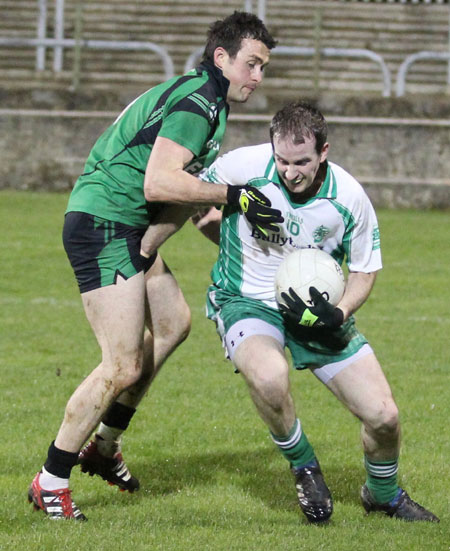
(50, 301)
(415, 319)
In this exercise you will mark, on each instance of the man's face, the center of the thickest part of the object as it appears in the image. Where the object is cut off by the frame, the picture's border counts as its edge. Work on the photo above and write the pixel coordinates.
(245, 71)
(297, 164)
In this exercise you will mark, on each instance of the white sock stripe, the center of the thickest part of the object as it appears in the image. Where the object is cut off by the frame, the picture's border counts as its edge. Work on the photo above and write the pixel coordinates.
(384, 473)
(287, 444)
(381, 471)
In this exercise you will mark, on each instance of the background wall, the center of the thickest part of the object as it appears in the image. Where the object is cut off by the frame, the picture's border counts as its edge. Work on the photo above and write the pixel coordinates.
(400, 162)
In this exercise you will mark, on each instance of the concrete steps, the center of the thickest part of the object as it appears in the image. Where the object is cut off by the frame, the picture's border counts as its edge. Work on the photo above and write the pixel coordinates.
(391, 30)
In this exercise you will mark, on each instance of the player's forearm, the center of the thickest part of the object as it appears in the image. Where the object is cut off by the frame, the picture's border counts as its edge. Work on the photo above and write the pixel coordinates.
(179, 187)
(168, 221)
(208, 222)
(357, 290)
(211, 230)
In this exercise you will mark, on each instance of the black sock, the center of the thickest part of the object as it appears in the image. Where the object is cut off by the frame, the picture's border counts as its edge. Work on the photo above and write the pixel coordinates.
(59, 462)
(118, 416)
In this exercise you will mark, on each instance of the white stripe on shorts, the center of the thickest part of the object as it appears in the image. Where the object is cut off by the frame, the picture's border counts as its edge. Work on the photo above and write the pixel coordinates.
(328, 371)
(248, 327)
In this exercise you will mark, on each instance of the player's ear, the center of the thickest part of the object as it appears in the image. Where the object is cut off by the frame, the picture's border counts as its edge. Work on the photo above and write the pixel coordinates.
(324, 152)
(220, 56)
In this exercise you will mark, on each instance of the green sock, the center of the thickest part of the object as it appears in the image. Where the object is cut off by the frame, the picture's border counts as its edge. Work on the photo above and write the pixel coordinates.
(295, 446)
(382, 479)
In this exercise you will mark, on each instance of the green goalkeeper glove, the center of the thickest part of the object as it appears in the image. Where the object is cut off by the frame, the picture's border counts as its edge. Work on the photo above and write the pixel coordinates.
(255, 206)
(322, 314)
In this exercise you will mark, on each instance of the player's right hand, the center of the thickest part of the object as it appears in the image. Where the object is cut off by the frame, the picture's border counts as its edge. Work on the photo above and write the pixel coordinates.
(320, 314)
(256, 207)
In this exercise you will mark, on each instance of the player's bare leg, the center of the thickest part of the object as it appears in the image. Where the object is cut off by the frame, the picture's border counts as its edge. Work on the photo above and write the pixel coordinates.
(363, 388)
(263, 364)
(168, 319)
(168, 325)
(116, 314)
(261, 361)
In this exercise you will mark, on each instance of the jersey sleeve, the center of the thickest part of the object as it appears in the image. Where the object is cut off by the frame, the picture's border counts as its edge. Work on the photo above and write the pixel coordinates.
(363, 252)
(186, 128)
(233, 168)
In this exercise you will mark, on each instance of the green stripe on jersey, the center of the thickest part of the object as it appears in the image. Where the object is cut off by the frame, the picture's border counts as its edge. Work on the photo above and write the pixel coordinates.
(227, 271)
(349, 223)
(258, 182)
(201, 101)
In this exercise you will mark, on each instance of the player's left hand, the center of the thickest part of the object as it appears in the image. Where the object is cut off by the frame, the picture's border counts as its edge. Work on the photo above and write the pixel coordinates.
(322, 314)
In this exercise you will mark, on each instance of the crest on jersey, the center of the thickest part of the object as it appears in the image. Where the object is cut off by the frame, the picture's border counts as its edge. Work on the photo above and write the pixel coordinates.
(212, 112)
(320, 233)
(210, 109)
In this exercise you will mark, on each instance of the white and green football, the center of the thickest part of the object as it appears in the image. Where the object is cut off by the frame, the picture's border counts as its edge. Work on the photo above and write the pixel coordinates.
(305, 268)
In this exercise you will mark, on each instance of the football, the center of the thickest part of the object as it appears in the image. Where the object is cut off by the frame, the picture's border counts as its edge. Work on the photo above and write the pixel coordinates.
(307, 268)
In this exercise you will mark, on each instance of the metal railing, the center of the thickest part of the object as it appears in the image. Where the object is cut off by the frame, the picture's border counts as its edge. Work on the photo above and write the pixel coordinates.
(94, 44)
(59, 42)
(327, 52)
(404, 67)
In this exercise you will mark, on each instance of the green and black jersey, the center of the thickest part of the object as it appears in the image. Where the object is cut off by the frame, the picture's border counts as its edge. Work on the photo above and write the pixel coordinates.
(191, 110)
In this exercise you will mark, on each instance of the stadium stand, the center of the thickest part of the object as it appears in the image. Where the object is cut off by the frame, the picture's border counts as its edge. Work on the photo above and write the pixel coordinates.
(380, 139)
(393, 30)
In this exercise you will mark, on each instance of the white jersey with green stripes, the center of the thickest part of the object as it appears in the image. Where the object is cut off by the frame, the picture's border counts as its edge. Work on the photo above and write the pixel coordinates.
(339, 219)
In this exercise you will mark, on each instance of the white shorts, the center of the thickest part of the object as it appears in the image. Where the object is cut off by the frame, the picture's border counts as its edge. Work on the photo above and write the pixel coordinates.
(243, 329)
(327, 372)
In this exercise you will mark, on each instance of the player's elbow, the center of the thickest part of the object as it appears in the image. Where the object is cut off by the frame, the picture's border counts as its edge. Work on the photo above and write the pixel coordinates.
(154, 188)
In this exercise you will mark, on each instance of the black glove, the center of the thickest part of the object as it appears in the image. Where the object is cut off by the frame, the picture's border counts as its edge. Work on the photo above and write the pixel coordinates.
(322, 314)
(256, 208)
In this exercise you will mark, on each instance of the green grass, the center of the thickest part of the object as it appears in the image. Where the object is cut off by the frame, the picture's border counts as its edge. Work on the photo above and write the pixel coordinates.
(211, 478)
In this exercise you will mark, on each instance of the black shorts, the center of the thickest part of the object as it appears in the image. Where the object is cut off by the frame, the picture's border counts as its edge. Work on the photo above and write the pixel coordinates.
(99, 250)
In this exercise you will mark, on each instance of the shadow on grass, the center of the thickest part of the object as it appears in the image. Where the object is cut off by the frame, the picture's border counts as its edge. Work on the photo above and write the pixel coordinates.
(257, 473)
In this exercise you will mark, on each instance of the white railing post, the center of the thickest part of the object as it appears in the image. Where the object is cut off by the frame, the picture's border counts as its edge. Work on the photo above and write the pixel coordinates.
(261, 9)
(59, 35)
(448, 64)
(41, 34)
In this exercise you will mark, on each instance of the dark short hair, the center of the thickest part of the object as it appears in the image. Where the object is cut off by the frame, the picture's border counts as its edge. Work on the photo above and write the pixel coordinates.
(298, 120)
(229, 33)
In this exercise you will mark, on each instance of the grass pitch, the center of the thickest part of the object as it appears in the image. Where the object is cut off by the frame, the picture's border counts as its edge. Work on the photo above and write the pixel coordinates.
(211, 478)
